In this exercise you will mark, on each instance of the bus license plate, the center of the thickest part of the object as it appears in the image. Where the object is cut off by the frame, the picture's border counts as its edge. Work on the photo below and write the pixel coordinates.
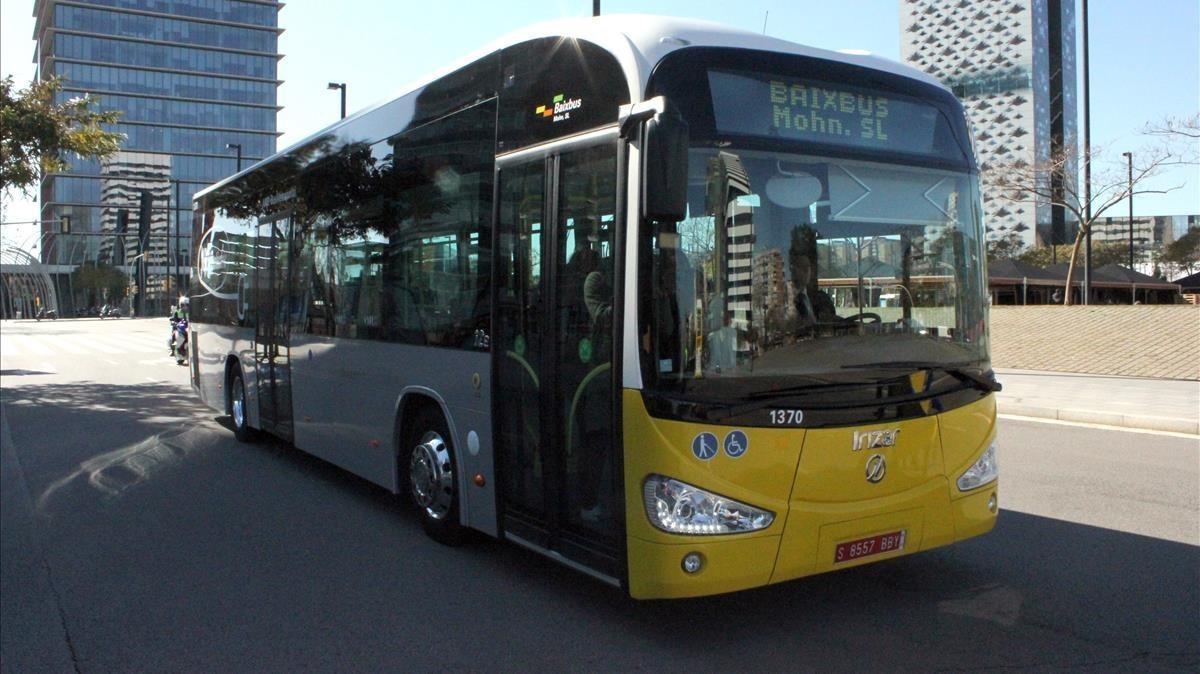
(865, 547)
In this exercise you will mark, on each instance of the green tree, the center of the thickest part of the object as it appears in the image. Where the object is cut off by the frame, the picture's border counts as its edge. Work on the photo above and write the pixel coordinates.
(37, 133)
(102, 282)
(1183, 253)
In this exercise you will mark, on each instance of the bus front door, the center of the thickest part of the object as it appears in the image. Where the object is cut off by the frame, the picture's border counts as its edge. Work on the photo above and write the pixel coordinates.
(271, 328)
(558, 472)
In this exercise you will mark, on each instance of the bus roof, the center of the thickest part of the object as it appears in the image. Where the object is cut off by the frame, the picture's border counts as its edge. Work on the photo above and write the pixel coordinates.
(638, 42)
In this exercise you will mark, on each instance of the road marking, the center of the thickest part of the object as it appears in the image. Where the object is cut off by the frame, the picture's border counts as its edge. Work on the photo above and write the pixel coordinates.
(62, 344)
(9, 346)
(126, 344)
(94, 343)
(1102, 427)
(30, 344)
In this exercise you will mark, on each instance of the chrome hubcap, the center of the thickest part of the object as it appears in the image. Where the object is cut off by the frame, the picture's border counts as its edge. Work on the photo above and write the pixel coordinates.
(432, 476)
(238, 404)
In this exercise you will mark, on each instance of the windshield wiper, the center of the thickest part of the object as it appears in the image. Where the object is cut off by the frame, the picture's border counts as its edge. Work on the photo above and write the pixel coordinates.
(955, 369)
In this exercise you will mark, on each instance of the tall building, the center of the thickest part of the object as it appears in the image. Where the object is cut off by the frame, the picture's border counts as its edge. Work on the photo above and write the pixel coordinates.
(1012, 63)
(195, 82)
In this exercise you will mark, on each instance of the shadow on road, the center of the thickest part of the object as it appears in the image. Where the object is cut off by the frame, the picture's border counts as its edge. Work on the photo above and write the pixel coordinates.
(282, 558)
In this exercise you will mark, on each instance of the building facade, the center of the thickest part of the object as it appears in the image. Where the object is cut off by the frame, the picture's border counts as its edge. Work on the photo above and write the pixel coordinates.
(1012, 63)
(195, 82)
(1150, 234)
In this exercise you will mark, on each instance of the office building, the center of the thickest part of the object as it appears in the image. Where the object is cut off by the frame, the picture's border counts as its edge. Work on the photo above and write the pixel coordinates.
(195, 82)
(1012, 63)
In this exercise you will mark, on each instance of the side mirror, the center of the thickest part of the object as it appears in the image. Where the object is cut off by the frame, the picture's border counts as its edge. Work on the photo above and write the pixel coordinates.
(664, 172)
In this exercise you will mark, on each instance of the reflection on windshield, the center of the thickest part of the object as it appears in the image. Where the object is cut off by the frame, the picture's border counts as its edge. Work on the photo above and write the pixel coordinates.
(790, 264)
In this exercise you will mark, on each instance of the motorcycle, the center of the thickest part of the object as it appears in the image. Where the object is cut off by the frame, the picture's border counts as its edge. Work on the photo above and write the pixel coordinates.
(179, 339)
(47, 313)
(108, 311)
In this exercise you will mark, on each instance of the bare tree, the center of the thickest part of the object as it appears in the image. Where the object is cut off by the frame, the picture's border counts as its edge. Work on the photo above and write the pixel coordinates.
(1025, 182)
(1179, 135)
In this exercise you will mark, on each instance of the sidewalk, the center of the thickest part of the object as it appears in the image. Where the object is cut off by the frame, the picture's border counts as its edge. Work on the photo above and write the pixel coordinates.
(1133, 402)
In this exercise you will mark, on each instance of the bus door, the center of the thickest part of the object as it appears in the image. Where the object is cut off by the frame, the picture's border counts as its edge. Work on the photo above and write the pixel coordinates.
(272, 299)
(557, 462)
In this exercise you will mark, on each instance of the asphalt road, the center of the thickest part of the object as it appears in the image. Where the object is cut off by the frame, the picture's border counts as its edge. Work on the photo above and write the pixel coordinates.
(139, 536)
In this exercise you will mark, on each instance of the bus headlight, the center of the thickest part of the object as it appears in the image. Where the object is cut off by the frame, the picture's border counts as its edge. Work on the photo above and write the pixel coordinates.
(680, 508)
(981, 472)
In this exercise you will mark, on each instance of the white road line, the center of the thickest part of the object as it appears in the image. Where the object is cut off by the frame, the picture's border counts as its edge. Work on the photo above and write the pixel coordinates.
(1101, 427)
(35, 346)
(9, 345)
(61, 344)
(121, 344)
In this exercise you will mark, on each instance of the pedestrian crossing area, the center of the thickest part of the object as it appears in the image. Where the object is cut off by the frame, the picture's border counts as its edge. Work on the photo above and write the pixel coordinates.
(21, 345)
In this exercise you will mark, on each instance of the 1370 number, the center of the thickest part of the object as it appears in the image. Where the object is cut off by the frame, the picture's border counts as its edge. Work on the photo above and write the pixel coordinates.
(786, 417)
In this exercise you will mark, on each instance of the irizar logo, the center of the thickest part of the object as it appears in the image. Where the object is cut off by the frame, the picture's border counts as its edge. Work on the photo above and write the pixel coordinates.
(560, 108)
(875, 439)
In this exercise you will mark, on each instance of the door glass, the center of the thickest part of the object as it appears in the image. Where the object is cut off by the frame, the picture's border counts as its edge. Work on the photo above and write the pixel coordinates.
(517, 332)
(271, 343)
(583, 318)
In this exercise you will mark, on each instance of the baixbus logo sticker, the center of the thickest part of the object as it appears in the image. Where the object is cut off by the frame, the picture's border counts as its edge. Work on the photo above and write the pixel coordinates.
(560, 108)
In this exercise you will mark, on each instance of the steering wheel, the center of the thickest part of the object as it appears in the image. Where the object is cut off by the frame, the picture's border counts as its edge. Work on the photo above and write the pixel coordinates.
(863, 317)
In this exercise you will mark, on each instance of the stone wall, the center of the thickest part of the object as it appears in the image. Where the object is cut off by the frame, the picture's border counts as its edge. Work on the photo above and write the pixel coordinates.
(1135, 341)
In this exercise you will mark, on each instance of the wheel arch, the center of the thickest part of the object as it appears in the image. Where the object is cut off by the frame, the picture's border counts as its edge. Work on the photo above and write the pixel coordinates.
(234, 364)
(411, 400)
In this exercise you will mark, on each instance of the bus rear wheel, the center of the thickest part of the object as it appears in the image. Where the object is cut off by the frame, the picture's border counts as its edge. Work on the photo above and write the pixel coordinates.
(432, 485)
(237, 408)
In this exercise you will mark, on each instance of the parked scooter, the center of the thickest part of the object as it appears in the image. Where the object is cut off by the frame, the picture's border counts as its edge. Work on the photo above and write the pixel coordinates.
(47, 313)
(109, 311)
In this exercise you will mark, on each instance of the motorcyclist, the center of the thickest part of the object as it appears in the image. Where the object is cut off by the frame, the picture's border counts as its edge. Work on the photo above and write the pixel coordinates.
(178, 339)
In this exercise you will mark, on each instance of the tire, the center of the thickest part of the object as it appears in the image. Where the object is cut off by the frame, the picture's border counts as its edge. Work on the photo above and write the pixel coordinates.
(431, 483)
(236, 405)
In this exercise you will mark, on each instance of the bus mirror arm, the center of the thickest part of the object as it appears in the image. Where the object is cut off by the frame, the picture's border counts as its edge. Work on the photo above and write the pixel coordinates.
(632, 114)
(665, 167)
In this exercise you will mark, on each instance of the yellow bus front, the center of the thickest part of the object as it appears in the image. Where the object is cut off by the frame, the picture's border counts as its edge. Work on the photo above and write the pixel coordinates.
(815, 382)
(826, 503)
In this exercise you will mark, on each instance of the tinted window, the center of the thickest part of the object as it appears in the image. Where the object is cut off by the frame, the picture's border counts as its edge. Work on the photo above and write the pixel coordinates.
(556, 87)
(401, 254)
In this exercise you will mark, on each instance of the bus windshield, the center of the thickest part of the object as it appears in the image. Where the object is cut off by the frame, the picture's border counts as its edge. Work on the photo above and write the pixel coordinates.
(800, 264)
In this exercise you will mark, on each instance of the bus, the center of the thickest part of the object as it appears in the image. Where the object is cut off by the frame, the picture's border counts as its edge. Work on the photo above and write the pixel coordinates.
(685, 308)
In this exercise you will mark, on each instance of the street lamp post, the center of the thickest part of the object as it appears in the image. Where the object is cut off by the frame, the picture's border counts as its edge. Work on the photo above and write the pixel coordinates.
(342, 86)
(1129, 156)
(238, 147)
(1087, 163)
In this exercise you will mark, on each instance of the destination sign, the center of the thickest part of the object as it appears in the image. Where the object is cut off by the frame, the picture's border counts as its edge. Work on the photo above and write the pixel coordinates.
(764, 104)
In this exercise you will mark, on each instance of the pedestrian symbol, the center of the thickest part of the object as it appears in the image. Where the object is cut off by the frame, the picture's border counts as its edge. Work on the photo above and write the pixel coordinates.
(736, 444)
(705, 446)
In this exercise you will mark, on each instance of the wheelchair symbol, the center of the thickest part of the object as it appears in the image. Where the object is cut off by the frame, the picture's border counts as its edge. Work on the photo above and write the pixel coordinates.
(736, 444)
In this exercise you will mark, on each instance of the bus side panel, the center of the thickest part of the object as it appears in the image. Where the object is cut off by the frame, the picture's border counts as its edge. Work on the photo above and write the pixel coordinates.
(214, 345)
(345, 395)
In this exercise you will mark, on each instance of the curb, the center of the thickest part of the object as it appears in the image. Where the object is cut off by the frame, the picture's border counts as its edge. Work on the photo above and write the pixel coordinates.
(1169, 424)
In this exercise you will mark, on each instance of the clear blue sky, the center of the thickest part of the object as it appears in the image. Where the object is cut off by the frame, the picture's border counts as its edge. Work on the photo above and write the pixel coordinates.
(1145, 56)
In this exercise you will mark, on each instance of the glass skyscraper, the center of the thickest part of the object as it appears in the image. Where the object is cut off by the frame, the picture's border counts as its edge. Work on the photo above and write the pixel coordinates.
(195, 82)
(1012, 63)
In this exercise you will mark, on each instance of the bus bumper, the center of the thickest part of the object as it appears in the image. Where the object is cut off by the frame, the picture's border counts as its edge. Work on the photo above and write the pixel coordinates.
(809, 542)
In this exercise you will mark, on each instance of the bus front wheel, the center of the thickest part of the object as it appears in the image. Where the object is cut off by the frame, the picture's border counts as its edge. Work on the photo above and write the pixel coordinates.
(432, 485)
